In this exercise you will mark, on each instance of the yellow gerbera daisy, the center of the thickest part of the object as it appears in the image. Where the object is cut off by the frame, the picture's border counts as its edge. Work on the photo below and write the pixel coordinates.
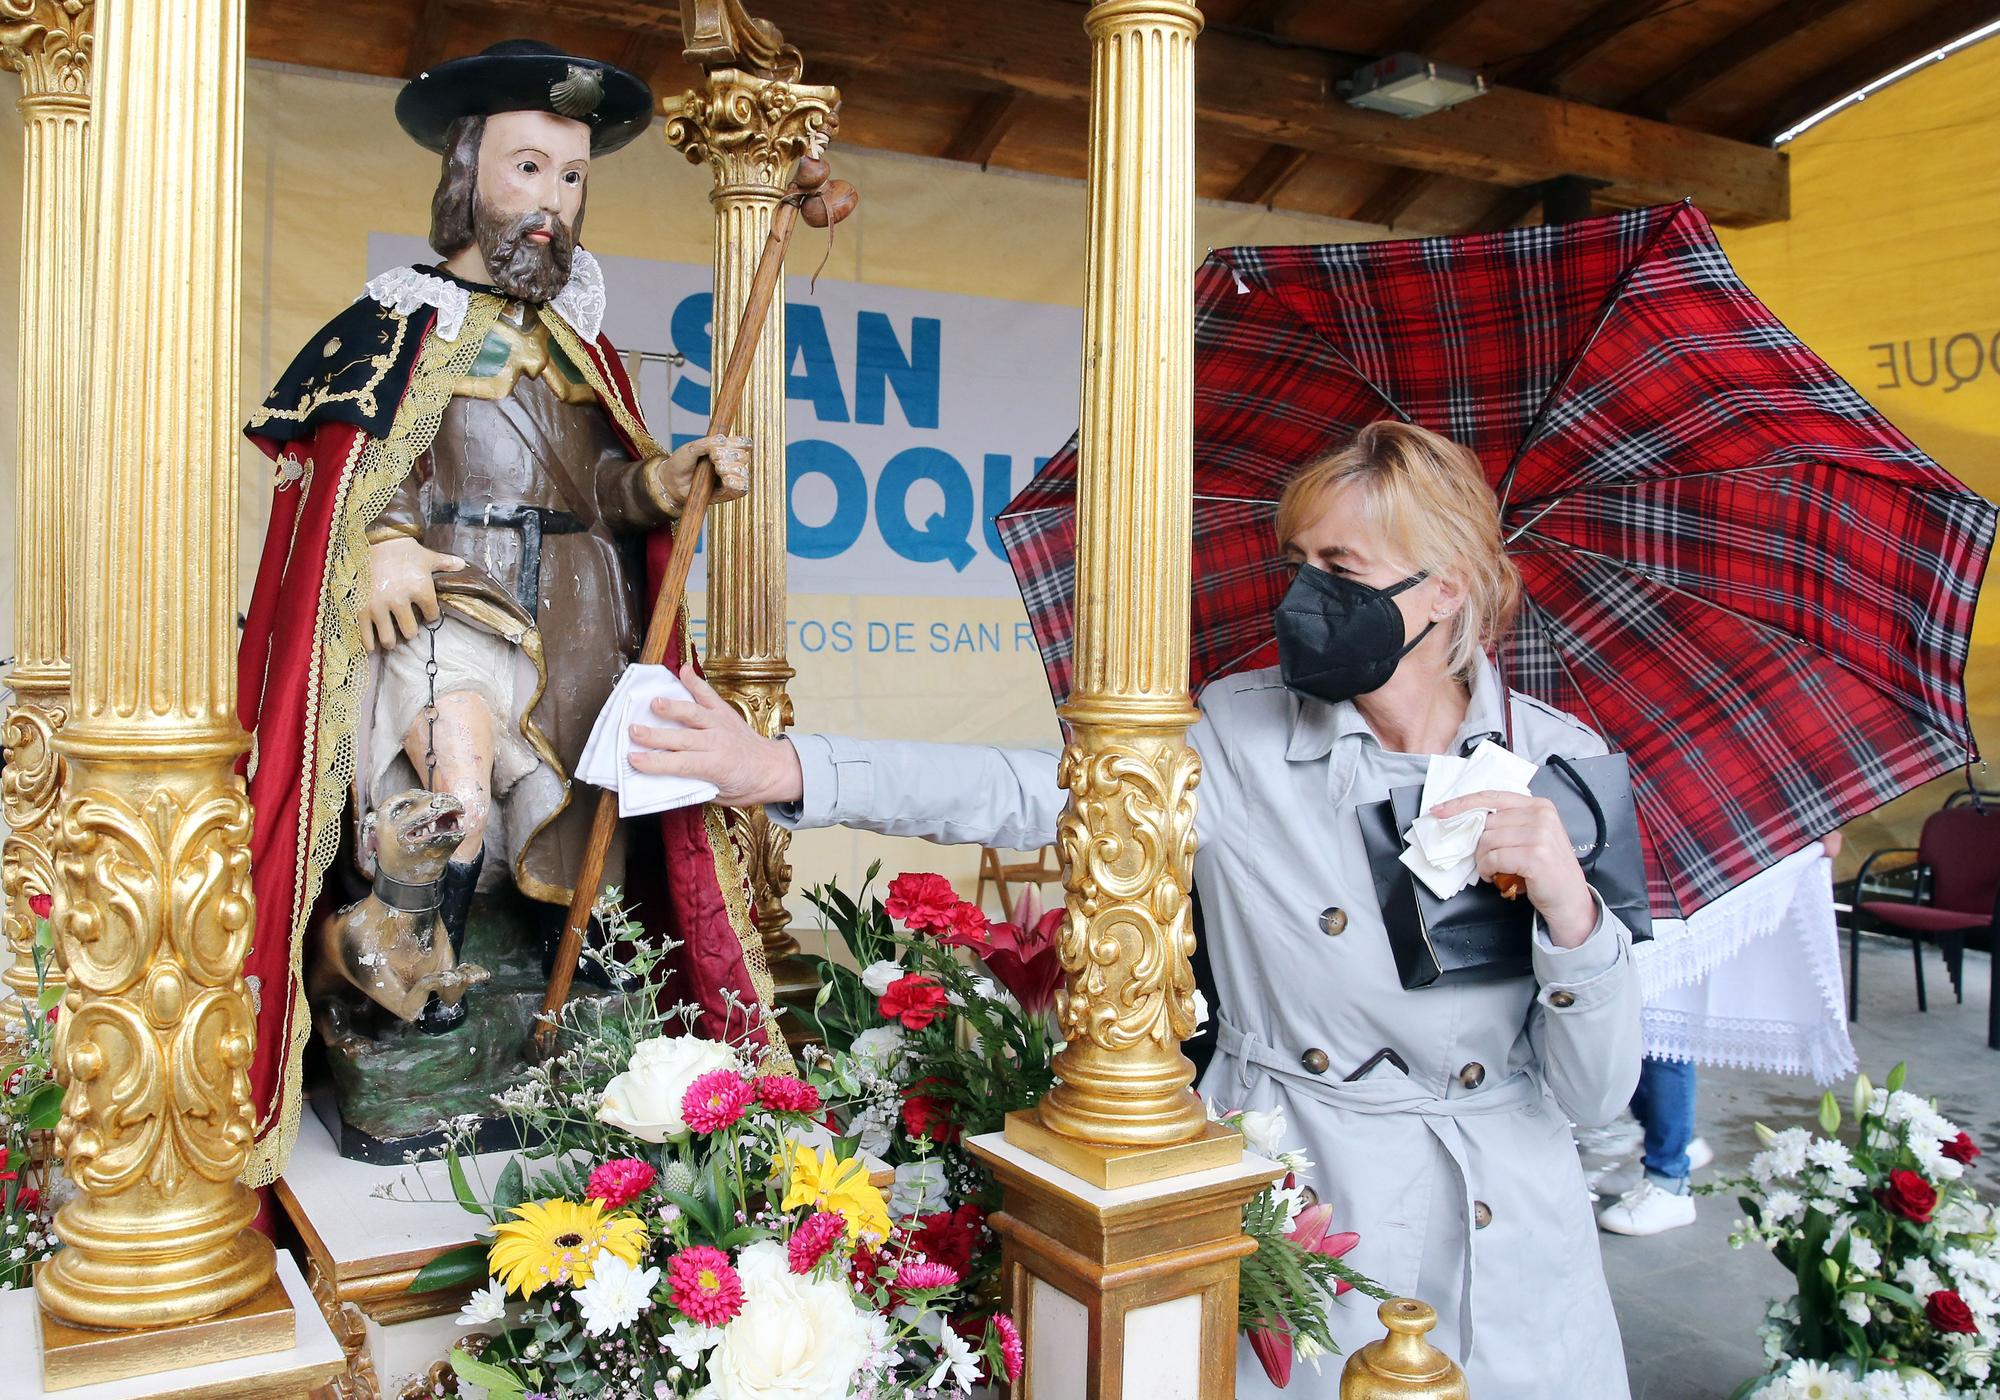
(835, 1183)
(558, 1241)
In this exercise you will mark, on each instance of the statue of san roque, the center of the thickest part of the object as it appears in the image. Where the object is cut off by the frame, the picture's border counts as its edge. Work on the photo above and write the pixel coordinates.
(467, 508)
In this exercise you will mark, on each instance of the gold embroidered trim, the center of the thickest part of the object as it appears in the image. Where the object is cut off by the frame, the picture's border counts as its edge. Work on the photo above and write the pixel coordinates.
(340, 674)
(364, 396)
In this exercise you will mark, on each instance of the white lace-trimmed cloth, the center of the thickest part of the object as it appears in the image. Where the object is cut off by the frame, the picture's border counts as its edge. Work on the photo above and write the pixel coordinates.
(580, 303)
(1752, 980)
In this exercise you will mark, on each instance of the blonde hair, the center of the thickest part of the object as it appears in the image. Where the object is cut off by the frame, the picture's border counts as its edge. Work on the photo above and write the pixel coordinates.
(1429, 498)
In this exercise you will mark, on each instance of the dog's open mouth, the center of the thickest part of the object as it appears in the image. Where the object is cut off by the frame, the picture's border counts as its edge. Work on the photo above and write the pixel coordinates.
(448, 824)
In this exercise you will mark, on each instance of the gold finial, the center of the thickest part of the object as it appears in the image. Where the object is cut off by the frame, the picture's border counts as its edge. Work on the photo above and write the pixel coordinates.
(1403, 1366)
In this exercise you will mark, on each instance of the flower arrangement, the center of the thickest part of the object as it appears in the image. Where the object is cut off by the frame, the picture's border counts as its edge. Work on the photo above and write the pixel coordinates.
(30, 1108)
(684, 1224)
(938, 1051)
(1895, 1258)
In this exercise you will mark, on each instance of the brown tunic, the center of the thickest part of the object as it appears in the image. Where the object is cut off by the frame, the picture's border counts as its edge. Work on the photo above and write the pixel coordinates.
(524, 429)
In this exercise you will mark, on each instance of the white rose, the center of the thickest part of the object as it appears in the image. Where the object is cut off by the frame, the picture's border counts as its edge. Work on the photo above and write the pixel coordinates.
(797, 1338)
(1264, 1131)
(876, 977)
(646, 1099)
(881, 1046)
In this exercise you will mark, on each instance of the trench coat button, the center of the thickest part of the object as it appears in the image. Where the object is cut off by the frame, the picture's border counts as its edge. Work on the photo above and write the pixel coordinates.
(1473, 1075)
(1333, 922)
(1316, 1061)
(1560, 1000)
(1482, 1215)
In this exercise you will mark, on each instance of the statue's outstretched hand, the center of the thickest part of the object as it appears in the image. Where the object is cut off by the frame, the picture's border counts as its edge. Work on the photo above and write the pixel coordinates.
(731, 456)
(402, 589)
(712, 742)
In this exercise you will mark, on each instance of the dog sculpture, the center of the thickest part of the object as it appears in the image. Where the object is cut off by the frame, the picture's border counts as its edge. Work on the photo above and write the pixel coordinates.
(389, 946)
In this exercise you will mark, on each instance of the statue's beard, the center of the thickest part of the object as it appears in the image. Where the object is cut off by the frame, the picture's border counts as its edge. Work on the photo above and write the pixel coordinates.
(519, 265)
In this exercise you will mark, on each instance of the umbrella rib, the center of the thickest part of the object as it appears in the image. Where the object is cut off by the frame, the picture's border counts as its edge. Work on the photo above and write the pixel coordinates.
(1549, 400)
(1256, 284)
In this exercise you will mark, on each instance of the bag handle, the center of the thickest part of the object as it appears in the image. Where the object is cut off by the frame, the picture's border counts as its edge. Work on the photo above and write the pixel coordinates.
(1576, 780)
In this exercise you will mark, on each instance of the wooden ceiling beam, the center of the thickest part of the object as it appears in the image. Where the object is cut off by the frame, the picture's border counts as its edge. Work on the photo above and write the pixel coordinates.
(426, 48)
(1388, 201)
(1953, 19)
(1736, 50)
(1284, 94)
(986, 127)
(1272, 172)
(1266, 16)
(1508, 210)
(1547, 67)
(1431, 24)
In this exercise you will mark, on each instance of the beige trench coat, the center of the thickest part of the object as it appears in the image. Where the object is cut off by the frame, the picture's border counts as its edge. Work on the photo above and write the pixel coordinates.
(1460, 1176)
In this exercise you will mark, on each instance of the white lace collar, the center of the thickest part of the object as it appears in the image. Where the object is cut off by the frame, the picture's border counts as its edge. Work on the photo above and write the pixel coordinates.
(403, 289)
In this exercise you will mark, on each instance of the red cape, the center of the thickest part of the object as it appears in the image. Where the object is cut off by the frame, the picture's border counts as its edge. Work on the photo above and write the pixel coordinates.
(298, 697)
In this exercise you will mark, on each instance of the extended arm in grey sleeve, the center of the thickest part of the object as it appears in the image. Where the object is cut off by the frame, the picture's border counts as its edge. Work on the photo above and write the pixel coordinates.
(971, 794)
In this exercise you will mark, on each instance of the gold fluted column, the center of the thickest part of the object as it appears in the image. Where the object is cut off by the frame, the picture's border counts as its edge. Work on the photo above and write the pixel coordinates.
(48, 43)
(1122, 1216)
(751, 127)
(153, 897)
(1127, 837)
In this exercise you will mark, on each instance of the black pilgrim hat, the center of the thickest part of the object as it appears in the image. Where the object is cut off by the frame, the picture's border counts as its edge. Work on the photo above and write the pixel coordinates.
(526, 75)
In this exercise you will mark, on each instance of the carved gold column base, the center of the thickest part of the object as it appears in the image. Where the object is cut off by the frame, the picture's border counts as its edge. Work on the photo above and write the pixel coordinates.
(1114, 1168)
(1403, 1366)
(77, 1356)
(1122, 1294)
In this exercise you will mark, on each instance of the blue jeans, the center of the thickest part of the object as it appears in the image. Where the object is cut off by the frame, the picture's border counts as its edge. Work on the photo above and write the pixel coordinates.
(1664, 1105)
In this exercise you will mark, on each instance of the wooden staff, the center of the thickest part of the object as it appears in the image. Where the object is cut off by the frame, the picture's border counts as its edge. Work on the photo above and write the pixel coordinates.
(822, 204)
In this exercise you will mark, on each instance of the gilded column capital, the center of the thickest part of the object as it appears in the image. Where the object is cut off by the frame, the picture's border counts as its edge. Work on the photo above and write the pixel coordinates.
(48, 43)
(751, 130)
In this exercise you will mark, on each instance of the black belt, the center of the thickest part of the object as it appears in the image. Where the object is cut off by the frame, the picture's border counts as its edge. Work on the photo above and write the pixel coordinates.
(532, 522)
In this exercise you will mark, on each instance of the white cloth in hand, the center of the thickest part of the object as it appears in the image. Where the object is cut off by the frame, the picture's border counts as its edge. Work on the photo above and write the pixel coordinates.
(1443, 853)
(607, 756)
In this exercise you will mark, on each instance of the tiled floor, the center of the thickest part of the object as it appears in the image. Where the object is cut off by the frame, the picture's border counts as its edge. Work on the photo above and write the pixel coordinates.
(1688, 1304)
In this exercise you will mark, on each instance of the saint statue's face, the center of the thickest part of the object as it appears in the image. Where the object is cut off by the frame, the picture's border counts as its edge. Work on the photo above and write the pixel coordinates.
(533, 169)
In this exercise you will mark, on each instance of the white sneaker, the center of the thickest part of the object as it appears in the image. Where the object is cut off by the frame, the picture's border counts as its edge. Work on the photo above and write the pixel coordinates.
(1700, 1154)
(1646, 1210)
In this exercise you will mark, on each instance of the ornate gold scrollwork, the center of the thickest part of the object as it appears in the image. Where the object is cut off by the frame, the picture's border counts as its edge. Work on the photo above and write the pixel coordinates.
(350, 1328)
(766, 707)
(1127, 840)
(29, 789)
(48, 43)
(751, 130)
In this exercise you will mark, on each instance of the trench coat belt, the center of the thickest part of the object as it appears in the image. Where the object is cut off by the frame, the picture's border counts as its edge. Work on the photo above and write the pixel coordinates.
(1391, 1093)
(531, 522)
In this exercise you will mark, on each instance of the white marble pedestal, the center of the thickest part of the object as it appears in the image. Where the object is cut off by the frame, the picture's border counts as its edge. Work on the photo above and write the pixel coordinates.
(314, 1360)
(362, 1251)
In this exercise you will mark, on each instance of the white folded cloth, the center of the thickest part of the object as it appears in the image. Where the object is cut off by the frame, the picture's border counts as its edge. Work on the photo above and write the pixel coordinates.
(607, 756)
(1443, 852)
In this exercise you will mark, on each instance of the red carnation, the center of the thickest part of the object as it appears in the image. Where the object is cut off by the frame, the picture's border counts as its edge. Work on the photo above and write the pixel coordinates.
(913, 999)
(1948, 1313)
(30, 1200)
(619, 1181)
(921, 902)
(950, 1237)
(966, 926)
(811, 1241)
(704, 1286)
(42, 906)
(1961, 1148)
(5, 1175)
(924, 1116)
(1909, 1196)
(781, 1093)
(715, 1101)
(1011, 1356)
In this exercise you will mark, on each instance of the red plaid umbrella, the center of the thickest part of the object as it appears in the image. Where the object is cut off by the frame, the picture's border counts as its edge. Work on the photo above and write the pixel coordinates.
(1737, 570)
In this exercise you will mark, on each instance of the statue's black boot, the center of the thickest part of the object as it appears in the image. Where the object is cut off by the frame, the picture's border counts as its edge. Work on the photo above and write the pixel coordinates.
(588, 968)
(455, 889)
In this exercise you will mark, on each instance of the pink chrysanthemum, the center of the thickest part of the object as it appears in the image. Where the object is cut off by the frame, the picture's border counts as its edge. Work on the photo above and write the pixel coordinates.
(1010, 1345)
(704, 1286)
(810, 1242)
(781, 1093)
(716, 1100)
(918, 1274)
(620, 1181)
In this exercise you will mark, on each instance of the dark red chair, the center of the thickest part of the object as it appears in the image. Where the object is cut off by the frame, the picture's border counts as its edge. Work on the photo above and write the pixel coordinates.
(1957, 860)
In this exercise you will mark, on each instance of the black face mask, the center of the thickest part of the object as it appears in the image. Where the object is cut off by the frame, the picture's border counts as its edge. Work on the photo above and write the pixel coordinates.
(1337, 638)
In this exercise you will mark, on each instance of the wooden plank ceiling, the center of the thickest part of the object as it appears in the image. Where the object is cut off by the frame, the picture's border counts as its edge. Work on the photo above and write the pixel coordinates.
(1642, 100)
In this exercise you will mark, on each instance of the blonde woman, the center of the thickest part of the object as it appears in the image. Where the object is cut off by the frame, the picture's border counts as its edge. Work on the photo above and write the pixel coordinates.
(1451, 1153)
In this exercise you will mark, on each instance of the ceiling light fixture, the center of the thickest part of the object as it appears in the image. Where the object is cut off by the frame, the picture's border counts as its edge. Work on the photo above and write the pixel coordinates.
(1410, 85)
